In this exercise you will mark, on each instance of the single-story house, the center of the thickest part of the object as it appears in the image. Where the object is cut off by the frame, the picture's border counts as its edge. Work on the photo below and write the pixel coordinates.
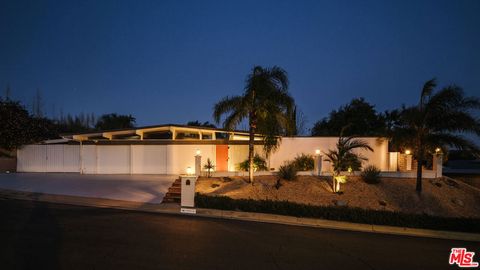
(171, 149)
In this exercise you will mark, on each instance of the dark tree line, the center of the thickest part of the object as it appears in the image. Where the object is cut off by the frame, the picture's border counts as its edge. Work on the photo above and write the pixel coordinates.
(357, 118)
(197, 123)
(18, 126)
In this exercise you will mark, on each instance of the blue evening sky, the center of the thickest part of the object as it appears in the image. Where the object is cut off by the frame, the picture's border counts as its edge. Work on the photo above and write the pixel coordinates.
(170, 61)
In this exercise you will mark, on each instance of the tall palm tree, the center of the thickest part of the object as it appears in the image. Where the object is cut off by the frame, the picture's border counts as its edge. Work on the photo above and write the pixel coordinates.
(439, 120)
(343, 157)
(265, 103)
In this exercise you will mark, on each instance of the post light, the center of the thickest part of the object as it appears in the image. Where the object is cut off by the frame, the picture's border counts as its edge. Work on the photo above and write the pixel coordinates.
(317, 152)
(407, 152)
(189, 171)
(198, 152)
(437, 150)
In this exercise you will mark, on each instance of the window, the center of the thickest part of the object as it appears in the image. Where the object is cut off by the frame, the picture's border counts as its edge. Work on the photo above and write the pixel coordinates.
(187, 136)
(206, 136)
(221, 135)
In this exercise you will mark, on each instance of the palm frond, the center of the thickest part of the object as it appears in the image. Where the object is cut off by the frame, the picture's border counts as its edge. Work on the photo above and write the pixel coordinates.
(280, 77)
(454, 121)
(234, 118)
(470, 103)
(357, 143)
(448, 110)
(226, 105)
(445, 139)
(447, 98)
(427, 90)
(343, 156)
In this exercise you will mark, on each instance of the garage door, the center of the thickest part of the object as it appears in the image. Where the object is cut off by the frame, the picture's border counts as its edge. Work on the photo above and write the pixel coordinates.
(32, 158)
(54, 158)
(149, 159)
(114, 159)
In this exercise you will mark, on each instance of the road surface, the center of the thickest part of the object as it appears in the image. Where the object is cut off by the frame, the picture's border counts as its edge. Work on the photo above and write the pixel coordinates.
(51, 236)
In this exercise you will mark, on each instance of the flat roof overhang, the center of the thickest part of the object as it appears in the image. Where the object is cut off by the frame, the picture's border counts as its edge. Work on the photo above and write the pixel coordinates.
(141, 131)
(165, 142)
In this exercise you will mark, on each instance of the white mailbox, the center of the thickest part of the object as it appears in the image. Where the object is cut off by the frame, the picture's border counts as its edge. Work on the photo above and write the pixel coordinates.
(188, 190)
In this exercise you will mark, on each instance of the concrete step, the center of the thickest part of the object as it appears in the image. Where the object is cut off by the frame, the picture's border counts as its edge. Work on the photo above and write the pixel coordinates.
(174, 190)
(174, 193)
(171, 200)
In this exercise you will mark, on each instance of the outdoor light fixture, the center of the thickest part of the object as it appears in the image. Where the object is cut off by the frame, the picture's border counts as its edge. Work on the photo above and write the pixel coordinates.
(198, 152)
(407, 152)
(317, 152)
(189, 171)
(437, 150)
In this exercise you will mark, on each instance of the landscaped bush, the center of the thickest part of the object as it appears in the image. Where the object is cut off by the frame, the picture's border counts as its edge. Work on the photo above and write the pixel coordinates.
(288, 171)
(371, 175)
(209, 167)
(259, 164)
(304, 162)
(341, 213)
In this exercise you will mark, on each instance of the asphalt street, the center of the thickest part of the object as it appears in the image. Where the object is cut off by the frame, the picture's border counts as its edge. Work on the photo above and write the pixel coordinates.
(52, 236)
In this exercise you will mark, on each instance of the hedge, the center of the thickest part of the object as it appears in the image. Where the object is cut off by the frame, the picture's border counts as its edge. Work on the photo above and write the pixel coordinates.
(339, 213)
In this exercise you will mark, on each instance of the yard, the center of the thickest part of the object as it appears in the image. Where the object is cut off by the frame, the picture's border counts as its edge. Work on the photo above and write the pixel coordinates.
(441, 197)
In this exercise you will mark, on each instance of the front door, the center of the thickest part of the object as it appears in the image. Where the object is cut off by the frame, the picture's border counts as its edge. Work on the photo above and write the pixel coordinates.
(222, 158)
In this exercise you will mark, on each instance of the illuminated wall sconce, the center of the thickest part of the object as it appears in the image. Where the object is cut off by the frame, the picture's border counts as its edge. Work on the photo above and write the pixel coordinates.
(198, 152)
(407, 152)
(317, 152)
(189, 171)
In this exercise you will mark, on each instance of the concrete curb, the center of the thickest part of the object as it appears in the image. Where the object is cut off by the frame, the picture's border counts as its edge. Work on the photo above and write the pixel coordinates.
(338, 225)
(235, 215)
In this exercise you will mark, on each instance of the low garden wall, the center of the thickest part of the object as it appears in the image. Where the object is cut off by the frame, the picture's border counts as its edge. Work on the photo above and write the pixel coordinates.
(8, 164)
(426, 174)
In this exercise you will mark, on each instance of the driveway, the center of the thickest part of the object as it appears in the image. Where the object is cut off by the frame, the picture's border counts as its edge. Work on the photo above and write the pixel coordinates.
(136, 188)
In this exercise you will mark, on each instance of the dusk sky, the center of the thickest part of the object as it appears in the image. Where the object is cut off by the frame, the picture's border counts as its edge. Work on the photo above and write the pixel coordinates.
(170, 61)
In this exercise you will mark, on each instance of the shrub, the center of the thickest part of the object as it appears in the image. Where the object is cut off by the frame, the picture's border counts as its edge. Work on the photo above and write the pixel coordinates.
(371, 175)
(288, 171)
(304, 162)
(259, 164)
(341, 213)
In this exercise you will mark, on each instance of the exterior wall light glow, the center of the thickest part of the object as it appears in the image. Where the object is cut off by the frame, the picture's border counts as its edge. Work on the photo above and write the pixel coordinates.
(407, 152)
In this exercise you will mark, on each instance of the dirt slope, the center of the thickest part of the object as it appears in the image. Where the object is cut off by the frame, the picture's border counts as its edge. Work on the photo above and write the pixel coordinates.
(441, 197)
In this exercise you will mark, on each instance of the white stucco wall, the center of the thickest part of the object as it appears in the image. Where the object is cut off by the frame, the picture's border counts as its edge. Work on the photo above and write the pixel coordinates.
(239, 153)
(174, 158)
(291, 147)
(182, 156)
